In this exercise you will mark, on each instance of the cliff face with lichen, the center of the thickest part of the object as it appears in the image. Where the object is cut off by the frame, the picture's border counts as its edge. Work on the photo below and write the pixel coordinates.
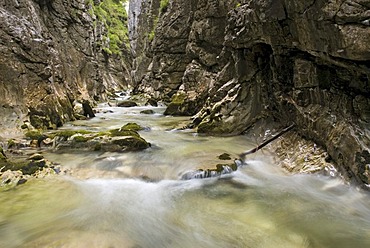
(53, 54)
(238, 64)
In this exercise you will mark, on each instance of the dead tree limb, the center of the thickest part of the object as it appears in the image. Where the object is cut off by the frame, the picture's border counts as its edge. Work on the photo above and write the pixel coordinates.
(242, 155)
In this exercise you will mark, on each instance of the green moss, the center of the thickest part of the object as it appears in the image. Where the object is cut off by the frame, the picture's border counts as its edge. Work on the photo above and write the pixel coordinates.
(152, 32)
(163, 6)
(68, 133)
(132, 127)
(112, 14)
(133, 143)
(178, 98)
(26, 167)
(34, 134)
(120, 132)
(2, 157)
(81, 138)
(11, 143)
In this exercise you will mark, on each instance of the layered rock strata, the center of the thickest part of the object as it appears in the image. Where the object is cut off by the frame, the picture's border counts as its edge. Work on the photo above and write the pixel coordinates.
(51, 55)
(236, 63)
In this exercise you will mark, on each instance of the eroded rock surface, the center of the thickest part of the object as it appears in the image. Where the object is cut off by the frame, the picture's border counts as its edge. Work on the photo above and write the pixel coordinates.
(292, 61)
(51, 55)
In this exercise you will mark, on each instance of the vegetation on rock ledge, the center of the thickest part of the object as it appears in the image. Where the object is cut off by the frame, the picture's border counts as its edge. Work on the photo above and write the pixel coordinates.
(112, 14)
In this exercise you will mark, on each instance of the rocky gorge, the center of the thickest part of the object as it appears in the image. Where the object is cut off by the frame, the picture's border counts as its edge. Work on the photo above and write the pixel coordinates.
(184, 123)
(239, 65)
(235, 67)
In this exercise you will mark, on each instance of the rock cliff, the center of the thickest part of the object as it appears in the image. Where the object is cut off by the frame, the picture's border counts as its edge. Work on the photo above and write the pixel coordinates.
(53, 53)
(234, 64)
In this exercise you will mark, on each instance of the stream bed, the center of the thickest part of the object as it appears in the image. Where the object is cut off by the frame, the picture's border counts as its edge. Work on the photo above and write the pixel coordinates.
(136, 200)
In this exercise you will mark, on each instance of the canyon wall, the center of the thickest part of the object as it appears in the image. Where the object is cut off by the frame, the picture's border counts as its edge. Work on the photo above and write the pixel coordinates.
(52, 55)
(233, 65)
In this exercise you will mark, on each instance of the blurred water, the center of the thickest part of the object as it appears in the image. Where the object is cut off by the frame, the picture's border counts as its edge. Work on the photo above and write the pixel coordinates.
(106, 203)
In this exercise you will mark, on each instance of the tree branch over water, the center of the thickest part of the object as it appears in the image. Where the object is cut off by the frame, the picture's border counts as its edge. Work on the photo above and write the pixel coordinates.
(253, 150)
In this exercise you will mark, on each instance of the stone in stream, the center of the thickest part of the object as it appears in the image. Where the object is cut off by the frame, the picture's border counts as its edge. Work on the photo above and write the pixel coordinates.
(121, 139)
(147, 112)
(126, 104)
(221, 169)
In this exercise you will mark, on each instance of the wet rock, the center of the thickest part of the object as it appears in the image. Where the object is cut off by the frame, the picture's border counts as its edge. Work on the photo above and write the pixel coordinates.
(147, 112)
(132, 143)
(52, 53)
(127, 104)
(224, 156)
(87, 109)
(238, 63)
(36, 156)
(152, 102)
(221, 169)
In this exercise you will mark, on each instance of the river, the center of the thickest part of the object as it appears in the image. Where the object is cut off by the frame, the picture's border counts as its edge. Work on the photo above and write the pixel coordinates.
(136, 199)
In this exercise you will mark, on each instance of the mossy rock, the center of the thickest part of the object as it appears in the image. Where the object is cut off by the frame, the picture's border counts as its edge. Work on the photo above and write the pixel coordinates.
(213, 127)
(132, 143)
(178, 98)
(2, 154)
(173, 109)
(68, 133)
(120, 132)
(27, 167)
(132, 126)
(35, 134)
(11, 143)
(81, 138)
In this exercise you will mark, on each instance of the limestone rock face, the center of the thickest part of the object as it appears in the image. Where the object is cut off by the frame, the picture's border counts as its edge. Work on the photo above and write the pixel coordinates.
(49, 58)
(293, 61)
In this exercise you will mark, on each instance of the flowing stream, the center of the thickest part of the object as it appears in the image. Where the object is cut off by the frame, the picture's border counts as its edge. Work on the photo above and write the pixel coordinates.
(136, 199)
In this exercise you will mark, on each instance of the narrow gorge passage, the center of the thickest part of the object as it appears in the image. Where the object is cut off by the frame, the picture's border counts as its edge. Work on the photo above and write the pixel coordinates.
(135, 199)
(123, 123)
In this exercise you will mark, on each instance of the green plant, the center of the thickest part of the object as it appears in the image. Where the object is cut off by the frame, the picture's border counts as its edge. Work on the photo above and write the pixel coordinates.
(163, 6)
(112, 14)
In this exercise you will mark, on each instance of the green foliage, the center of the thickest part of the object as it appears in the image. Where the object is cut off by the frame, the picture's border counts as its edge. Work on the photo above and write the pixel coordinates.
(238, 5)
(152, 32)
(112, 14)
(163, 6)
(34, 134)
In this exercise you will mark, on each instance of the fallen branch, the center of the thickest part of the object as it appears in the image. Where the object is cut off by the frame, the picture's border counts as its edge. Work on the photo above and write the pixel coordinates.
(242, 155)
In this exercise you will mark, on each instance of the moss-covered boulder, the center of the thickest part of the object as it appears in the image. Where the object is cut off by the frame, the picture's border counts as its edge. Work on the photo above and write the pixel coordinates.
(132, 126)
(132, 143)
(121, 132)
(25, 166)
(175, 106)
